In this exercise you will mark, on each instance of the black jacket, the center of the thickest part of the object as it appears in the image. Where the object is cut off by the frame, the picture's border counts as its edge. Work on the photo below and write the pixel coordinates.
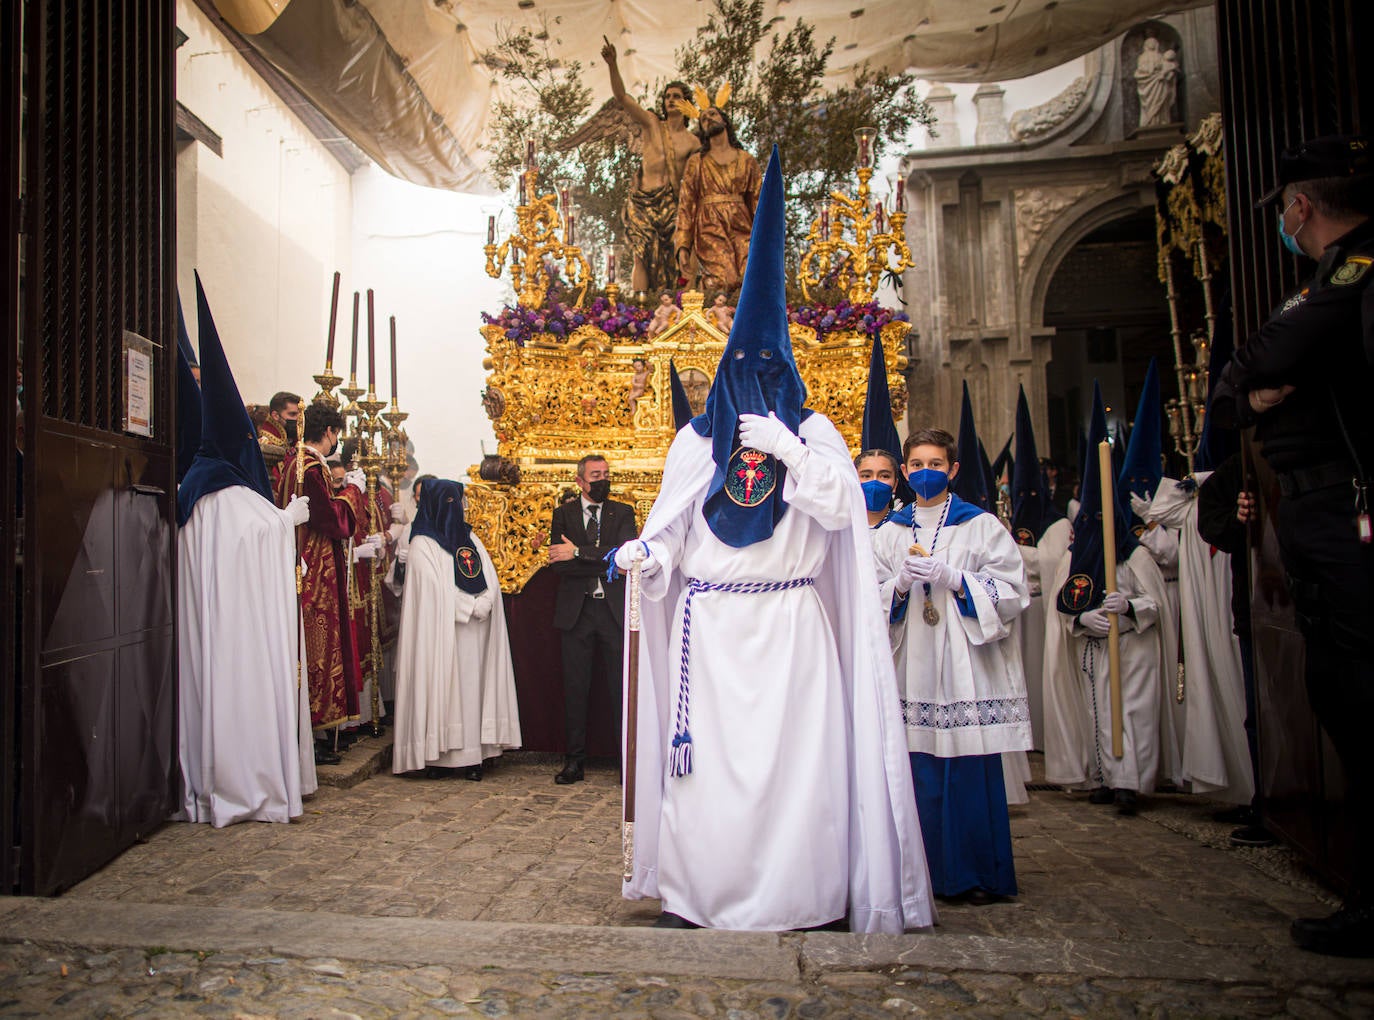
(1315, 341)
(578, 576)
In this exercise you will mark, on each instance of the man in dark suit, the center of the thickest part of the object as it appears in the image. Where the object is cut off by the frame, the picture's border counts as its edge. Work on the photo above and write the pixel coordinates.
(590, 611)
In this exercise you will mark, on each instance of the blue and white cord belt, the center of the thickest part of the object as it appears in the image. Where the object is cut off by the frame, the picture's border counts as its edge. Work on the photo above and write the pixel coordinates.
(680, 757)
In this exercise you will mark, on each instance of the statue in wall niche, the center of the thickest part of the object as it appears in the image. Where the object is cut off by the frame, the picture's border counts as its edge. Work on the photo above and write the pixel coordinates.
(1156, 80)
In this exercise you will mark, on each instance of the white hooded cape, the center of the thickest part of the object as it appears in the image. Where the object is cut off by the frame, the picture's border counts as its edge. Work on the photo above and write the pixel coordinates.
(797, 730)
(240, 706)
(455, 684)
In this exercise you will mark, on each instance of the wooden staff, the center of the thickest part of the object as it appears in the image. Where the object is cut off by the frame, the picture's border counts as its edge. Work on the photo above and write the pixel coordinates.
(1104, 470)
(627, 825)
(300, 545)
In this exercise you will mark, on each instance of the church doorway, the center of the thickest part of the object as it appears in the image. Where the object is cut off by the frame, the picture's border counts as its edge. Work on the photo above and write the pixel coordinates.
(1110, 314)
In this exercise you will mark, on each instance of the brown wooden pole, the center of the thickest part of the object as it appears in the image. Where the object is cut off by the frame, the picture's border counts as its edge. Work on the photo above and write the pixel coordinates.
(1104, 470)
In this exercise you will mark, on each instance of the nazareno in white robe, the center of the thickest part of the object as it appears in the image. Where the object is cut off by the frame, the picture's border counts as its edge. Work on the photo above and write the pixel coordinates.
(1077, 703)
(1216, 757)
(799, 809)
(455, 684)
(1162, 543)
(962, 687)
(241, 709)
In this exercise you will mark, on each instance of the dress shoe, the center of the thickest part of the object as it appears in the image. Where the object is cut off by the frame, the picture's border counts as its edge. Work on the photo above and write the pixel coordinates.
(473, 773)
(667, 920)
(324, 756)
(980, 897)
(1241, 814)
(1252, 835)
(1102, 795)
(1126, 802)
(572, 773)
(1347, 932)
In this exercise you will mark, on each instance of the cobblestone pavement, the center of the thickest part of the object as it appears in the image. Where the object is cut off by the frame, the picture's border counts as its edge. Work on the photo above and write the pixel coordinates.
(404, 896)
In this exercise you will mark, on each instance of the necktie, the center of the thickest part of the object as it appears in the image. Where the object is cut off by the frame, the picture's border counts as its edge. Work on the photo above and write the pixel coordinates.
(594, 525)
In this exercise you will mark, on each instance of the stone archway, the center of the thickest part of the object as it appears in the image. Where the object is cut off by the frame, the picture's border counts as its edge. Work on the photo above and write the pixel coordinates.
(1108, 315)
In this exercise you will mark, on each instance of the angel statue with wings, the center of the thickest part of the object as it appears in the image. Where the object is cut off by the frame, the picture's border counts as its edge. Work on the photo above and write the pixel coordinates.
(663, 142)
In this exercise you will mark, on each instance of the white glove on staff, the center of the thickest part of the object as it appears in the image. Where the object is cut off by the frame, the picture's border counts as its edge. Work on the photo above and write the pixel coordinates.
(298, 510)
(1095, 622)
(363, 551)
(770, 435)
(356, 479)
(398, 513)
(633, 552)
(937, 573)
(1115, 602)
(377, 540)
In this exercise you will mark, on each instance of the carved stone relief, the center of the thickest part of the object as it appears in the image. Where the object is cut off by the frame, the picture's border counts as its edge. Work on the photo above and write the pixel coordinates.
(1040, 120)
(1036, 208)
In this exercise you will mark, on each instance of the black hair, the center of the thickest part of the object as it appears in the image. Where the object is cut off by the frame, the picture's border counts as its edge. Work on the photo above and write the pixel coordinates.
(318, 418)
(281, 400)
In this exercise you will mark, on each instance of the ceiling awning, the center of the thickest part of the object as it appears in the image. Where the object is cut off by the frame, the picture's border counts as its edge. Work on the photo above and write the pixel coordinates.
(404, 79)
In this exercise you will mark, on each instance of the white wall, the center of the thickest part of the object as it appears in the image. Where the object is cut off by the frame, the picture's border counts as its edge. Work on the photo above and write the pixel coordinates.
(265, 224)
(420, 250)
(1020, 94)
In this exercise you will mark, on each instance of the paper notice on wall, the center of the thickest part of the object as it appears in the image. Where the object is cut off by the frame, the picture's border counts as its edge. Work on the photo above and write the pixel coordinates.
(138, 386)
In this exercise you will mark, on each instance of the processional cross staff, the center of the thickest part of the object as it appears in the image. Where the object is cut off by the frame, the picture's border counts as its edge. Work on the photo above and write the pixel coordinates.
(627, 825)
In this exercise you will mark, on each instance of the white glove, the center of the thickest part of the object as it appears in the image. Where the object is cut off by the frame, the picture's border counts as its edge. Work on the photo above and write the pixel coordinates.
(907, 576)
(1141, 506)
(357, 479)
(938, 573)
(298, 510)
(363, 551)
(770, 435)
(377, 540)
(482, 608)
(305, 567)
(1115, 602)
(1095, 622)
(403, 553)
(398, 513)
(633, 552)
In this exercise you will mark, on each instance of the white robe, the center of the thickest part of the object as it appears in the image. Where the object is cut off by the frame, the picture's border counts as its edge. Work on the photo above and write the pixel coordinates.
(963, 689)
(240, 703)
(1162, 544)
(1216, 756)
(1078, 711)
(799, 808)
(455, 684)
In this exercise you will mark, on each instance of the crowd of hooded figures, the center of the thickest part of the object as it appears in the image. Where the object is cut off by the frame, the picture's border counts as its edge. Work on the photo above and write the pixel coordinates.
(842, 661)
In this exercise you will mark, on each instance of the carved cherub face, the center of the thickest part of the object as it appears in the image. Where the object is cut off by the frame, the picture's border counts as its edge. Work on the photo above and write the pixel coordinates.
(638, 364)
(720, 300)
(665, 299)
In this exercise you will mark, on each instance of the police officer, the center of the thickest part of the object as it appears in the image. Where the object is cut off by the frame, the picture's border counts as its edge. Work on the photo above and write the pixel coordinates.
(1304, 381)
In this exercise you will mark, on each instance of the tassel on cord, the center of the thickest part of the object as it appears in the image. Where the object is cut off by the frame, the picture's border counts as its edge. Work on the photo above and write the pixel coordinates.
(680, 758)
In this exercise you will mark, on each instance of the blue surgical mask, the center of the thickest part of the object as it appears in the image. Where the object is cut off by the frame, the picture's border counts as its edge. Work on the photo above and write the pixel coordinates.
(877, 494)
(928, 483)
(1290, 241)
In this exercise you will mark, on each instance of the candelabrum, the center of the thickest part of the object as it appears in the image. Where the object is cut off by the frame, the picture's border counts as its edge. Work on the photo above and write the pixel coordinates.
(371, 458)
(1185, 412)
(328, 383)
(857, 256)
(352, 412)
(541, 233)
(395, 443)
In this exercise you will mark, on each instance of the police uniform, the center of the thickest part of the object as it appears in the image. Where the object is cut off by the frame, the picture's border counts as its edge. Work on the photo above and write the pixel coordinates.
(1319, 440)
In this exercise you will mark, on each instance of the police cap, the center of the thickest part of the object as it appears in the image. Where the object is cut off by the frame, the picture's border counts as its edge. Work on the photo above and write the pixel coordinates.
(1327, 156)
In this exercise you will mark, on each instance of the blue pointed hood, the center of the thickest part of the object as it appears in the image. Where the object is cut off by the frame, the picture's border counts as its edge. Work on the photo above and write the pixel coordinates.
(1032, 510)
(1141, 469)
(971, 483)
(440, 517)
(682, 407)
(1086, 583)
(879, 431)
(757, 374)
(229, 453)
(188, 400)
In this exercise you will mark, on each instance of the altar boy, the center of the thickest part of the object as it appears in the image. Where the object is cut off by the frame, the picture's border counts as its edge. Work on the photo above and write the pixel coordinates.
(958, 583)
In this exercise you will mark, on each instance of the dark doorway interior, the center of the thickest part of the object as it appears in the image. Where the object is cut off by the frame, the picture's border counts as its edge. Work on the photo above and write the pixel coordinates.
(1110, 316)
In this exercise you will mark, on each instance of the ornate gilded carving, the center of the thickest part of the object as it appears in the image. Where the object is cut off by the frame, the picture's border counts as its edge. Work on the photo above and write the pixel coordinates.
(563, 399)
(1040, 120)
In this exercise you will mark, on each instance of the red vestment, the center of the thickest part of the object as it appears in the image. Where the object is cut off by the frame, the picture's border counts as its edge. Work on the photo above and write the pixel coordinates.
(330, 650)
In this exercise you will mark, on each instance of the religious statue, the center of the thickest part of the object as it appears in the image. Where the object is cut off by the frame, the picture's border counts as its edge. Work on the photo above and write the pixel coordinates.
(665, 315)
(1156, 80)
(721, 315)
(639, 381)
(697, 385)
(720, 188)
(663, 143)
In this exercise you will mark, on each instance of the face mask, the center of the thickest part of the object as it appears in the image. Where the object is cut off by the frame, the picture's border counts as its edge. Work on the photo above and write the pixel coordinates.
(333, 449)
(1290, 241)
(598, 490)
(928, 483)
(290, 425)
(877, 494)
